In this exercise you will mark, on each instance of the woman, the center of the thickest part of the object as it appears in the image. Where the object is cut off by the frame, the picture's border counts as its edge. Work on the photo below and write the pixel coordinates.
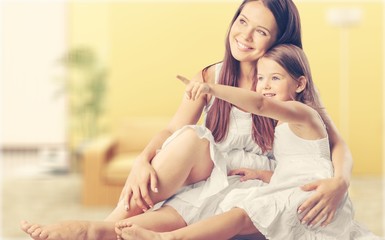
(329, 192)
(257, 26)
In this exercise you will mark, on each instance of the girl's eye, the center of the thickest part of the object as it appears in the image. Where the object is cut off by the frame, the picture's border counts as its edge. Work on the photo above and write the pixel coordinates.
(260, 78)
(275, 78)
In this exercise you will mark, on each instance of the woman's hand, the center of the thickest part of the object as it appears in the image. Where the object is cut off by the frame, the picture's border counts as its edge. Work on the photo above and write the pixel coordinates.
(322, 205)
(194, 89)
(248, 174)
(142, 175)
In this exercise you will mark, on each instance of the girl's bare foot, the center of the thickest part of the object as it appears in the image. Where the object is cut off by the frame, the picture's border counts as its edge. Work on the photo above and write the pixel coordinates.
(132, 231)
(119, 226)
(76, 230)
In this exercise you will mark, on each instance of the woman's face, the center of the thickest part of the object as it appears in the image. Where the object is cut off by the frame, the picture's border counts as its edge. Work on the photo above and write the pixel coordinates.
(253, 32)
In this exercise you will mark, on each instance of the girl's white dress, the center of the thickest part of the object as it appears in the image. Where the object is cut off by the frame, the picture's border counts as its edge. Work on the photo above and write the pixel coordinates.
(273, 207)
(238, 150)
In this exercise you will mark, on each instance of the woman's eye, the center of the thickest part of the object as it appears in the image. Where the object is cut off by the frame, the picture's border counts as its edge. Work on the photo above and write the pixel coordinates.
(260, 78)
(261, 32)
(275, 78)
(241, 21)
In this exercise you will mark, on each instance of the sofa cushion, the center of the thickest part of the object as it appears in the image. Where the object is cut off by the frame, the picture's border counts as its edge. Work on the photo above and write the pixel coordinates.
(118, 168)
(137, 132)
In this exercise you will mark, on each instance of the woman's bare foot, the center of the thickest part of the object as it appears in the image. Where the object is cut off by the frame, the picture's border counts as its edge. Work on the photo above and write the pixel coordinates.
(76, 230)
(131, 231)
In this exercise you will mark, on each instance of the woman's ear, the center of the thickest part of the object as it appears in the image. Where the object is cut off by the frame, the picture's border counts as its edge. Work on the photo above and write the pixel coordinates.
(301, 84)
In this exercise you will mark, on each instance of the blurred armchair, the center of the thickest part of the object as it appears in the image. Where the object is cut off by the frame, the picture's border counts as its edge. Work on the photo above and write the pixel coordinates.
(108, 160)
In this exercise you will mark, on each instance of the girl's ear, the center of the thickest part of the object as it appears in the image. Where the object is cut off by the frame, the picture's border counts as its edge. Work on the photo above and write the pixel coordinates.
(301, 84)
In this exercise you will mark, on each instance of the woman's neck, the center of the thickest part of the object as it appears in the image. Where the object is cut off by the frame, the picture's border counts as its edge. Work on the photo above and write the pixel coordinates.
(246, 78)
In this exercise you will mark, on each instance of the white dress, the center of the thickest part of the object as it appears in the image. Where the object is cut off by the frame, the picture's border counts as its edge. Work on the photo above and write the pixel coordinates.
(273, 207)
(237, 150)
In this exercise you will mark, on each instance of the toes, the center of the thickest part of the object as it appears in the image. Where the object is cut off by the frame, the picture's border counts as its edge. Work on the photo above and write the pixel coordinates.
(36, 233)
(117, 224)
(125, 233)
(118, 231)
(126, 224)
(123, 224)
(32, 228)
(120, 227)
(25, 225)
(44, 234)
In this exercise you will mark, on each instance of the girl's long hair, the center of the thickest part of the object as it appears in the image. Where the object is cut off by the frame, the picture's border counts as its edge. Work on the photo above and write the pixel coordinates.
(289, 31)
(294, 61)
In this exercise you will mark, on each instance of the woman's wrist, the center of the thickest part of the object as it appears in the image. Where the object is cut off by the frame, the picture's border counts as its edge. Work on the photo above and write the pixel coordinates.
(342, 181)
(143, 158)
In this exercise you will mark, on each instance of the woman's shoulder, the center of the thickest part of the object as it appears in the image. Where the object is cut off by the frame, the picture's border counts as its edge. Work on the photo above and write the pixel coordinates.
(210, 73)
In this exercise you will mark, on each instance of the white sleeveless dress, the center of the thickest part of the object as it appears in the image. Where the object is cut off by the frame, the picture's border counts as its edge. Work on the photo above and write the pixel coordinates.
(237, 150)
(273, 207)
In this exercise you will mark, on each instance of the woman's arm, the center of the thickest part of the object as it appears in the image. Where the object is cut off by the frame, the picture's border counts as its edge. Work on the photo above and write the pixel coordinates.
(322, 205)
(341, 155)
(142, 174)
(248, 174)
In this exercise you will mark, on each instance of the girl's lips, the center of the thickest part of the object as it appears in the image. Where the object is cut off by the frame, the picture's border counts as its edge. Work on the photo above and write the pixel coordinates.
(268, 94)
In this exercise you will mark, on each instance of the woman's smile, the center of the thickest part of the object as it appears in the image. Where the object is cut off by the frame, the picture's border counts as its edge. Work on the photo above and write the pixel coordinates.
(242, 46)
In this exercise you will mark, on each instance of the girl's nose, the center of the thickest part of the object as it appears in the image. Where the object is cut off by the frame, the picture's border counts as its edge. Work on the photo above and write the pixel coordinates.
(266, 86)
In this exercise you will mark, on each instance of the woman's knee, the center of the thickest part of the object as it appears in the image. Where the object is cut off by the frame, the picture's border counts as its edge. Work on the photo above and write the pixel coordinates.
(186, 142)
(190, 136)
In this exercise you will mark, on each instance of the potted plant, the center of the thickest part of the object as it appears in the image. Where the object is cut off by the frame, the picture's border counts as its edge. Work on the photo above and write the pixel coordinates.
(85, 88)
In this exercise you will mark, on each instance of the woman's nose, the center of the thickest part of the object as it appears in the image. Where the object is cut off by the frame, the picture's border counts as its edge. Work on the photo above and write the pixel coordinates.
(248, 34)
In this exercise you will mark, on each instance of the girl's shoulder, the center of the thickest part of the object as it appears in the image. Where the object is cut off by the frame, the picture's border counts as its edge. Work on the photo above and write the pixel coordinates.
(310, 124)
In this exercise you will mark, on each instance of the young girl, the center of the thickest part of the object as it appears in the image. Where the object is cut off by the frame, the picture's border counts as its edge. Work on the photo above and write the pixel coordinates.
(285, 92)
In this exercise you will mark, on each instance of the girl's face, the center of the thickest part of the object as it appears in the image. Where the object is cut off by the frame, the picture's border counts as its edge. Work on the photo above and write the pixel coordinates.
(274, 81)
(253, 32)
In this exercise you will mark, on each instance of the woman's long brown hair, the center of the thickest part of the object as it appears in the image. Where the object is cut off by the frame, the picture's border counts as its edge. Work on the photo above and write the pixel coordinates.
(289, 31)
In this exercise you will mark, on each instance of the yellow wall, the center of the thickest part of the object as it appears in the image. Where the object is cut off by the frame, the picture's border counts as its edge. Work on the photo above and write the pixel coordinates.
(147, 44)
(152, 43)
(322, 43)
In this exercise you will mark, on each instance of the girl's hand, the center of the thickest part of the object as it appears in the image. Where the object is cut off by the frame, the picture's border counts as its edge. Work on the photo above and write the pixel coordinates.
(248, 174)
(142, 175)
(194, 89)
(322, 205)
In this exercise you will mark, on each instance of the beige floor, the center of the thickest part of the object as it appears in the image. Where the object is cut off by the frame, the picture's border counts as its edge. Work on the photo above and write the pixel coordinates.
(29, 193)
(366, 193)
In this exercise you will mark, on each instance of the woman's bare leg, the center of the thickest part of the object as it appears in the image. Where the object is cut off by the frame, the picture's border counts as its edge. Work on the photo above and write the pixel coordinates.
(79, 230)
(184, 161)
(163, 219)
(222, 226)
